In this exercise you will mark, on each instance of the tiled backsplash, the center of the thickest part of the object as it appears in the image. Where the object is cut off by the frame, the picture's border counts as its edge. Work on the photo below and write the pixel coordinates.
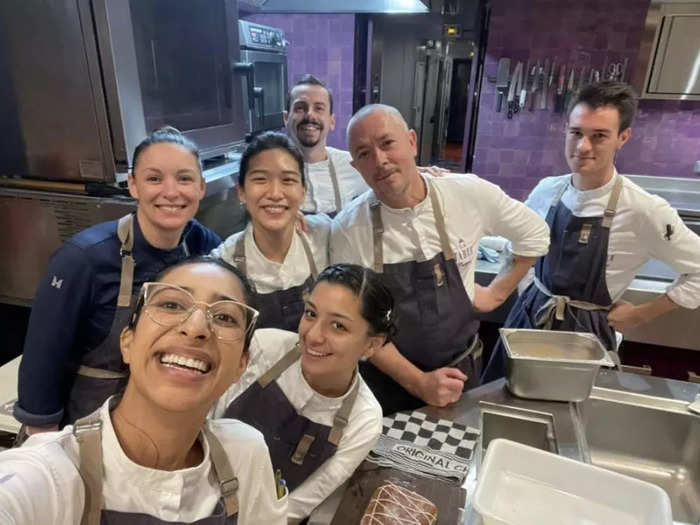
(517, 153)
(323, 46)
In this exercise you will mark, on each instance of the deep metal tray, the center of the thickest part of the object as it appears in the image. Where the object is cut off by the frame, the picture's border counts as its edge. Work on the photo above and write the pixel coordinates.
(551, 365)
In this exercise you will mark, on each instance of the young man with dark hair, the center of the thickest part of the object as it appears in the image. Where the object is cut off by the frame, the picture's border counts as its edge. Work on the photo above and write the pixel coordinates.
(331, 181)
(603, 229)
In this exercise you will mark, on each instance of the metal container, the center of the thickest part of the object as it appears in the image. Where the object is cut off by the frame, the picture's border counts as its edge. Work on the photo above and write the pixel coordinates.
(551, 365)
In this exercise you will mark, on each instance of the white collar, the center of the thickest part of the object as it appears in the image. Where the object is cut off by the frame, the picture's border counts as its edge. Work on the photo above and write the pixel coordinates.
(118, 465)
(595, 192)
(301, 395)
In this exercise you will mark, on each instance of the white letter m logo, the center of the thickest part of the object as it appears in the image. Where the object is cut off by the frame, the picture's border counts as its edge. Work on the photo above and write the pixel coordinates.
(56, 282)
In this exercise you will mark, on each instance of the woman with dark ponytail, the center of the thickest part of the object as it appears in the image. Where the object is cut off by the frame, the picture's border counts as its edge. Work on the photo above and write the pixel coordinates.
(71, 358)
(303, 391)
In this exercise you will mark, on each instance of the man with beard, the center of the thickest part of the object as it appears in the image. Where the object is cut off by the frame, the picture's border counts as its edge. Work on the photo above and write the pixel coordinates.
(422, 234)
(331, 181)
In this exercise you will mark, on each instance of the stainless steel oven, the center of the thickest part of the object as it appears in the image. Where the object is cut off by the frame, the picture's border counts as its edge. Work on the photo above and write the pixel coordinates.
(264, 54)
(88, 79)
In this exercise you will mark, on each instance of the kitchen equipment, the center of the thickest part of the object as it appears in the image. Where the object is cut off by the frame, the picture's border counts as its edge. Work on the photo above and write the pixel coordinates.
(502, 77)
(264, 52)
(543, 84)
(523, 92)
(561, 83)
(534, 76)
(552, 365)
(522, 485)
(515, 85)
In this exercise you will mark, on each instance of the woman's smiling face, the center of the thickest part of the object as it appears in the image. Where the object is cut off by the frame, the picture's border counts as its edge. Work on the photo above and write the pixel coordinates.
(273, 190)
(186, 366)
(333, 335)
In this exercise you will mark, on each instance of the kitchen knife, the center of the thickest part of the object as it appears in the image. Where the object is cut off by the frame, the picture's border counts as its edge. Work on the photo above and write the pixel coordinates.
(559, 98)
(515, 82)
(543, 85)
(536, 69)
(523, 91)
(570, 88)
(502, 79)
(550, 82)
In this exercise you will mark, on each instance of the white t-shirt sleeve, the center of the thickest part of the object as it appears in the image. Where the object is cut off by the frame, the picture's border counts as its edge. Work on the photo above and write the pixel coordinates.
(510, 218)
(669, 240)
(40, 485)
(358, 439)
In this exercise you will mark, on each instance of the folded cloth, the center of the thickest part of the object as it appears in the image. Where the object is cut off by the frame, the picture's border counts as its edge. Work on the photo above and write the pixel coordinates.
(418, 443)
(487, 254)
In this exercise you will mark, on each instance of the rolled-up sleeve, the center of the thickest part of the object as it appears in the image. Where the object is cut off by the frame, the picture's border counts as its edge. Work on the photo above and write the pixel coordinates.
(669, 240)
(510, 218)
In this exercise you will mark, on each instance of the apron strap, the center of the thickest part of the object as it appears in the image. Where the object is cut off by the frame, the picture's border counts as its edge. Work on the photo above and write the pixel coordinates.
(559, 194)
(342, 416)
(378, 228)
(280, 366)
(88, 433)
(440, 222)
(239, 254)
(334, 181)
(556, 306)
(611, 208)
(224, 473)
(375, 210)
(125, 232)
(239, 257)
(309, 255)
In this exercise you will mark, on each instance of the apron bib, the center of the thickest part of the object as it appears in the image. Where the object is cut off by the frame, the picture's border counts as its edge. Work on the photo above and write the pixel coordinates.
(298, 446)
(282, 308)
(570, 292)
(437, 324)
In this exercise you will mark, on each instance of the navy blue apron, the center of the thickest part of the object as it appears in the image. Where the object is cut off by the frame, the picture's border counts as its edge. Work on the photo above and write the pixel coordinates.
(298, 446)
(570, 292)
(437, 323)
(282, 308)
(88, 432)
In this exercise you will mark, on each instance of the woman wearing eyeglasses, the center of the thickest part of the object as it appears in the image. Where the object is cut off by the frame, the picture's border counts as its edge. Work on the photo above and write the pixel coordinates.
(304, 393)
(71, 360)
(150, 457)
(280, 262)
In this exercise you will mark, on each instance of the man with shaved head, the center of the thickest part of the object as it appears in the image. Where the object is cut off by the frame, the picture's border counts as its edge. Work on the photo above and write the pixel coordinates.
(422, 234)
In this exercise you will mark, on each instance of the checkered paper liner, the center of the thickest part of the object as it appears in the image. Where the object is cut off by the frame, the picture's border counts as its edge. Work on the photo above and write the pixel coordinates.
(416, 442)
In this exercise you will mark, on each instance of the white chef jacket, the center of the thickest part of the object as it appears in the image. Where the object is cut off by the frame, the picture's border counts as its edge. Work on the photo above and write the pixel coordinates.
(637, 234)
(269, 276)
(320, 196)
(359, 436)
(40, 482)
(472, 208)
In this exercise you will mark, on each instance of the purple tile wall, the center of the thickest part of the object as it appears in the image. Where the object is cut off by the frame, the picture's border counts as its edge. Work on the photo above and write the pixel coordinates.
(516, 153)
(321, 44)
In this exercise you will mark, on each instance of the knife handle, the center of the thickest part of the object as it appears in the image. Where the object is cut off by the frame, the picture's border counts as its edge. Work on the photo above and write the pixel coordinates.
(500, 102)
(510, 110)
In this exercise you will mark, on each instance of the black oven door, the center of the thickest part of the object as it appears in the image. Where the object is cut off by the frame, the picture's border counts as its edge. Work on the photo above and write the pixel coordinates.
(270, 74)
(169, 63)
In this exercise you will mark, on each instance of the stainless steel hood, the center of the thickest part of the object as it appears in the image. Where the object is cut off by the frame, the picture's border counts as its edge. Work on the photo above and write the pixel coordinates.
(336, 6)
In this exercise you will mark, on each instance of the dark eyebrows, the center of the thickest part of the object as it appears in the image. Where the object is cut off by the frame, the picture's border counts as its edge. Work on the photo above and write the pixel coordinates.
(310, 303)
